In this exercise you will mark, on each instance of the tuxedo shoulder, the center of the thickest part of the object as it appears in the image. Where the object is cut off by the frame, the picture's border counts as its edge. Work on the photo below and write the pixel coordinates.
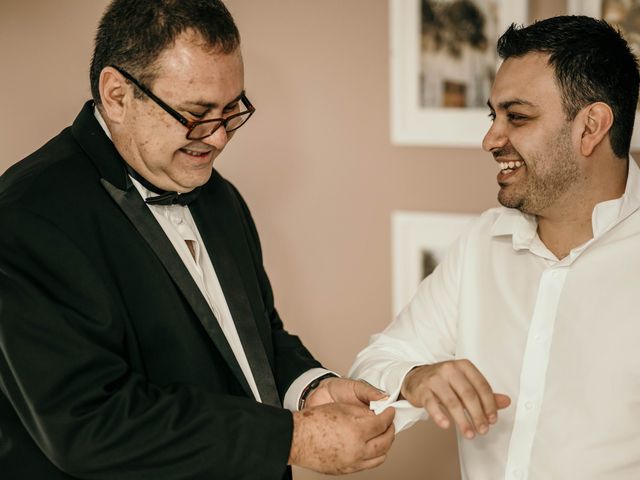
(55, 170)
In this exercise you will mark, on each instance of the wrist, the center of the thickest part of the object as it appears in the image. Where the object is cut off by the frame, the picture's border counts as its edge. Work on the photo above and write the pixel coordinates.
(405, 387)
(311, 388)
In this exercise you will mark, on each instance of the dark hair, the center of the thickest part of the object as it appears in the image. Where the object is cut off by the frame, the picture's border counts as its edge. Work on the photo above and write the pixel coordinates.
(592, 63)
(133, 33)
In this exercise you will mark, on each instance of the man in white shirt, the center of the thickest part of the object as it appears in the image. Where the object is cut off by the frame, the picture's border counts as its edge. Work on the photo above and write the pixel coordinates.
(526, 336)
(138, 333)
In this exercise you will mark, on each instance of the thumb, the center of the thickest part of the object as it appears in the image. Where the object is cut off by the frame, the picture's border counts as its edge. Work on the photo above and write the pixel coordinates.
(378, 424)
(365, 392)
(388, 415)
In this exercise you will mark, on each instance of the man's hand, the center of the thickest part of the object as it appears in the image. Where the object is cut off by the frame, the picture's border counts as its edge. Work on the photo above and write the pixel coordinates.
(458, 388)
(337, 438)
(343, 390)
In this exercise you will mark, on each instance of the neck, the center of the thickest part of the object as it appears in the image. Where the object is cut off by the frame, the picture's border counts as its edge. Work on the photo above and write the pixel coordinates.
(560, 237)
(567, 223)
(143, 181)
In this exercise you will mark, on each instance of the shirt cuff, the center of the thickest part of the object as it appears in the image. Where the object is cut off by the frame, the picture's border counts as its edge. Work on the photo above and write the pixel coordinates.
(292, 397)
(406, 414)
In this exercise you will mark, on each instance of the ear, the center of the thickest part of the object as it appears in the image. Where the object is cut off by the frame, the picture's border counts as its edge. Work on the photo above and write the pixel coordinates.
(114, 94)
(597, 120)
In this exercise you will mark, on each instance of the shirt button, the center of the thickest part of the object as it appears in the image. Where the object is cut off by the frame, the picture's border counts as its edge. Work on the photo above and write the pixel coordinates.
(529, 405)
(518, 473)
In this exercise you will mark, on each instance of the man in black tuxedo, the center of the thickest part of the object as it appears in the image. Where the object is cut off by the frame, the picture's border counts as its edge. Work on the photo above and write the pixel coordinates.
(138, 333)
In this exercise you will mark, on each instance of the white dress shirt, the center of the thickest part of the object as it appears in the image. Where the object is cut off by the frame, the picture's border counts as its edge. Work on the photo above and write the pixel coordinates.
(560, 337)
(179, 226)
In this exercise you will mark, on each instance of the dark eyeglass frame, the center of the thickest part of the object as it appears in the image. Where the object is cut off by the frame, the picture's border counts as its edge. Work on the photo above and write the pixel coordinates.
(191, 125)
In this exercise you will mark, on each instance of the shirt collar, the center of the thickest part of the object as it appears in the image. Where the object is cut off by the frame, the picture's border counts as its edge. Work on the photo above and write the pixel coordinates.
(607, 215)
(102, 123)
(523, 227)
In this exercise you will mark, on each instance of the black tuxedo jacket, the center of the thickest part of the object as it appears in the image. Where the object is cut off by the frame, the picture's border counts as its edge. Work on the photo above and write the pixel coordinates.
(112, 365)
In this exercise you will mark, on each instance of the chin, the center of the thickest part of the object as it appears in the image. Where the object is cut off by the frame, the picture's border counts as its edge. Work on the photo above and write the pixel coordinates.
(199, 180)
(510, 202)
(192, 178)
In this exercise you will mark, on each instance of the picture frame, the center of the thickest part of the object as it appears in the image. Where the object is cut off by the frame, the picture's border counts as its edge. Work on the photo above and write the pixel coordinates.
(596, 9)
(414, 121)
(419, 241)
(590, 8)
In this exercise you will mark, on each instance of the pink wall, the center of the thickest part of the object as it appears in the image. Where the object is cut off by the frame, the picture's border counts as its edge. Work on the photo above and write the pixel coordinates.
(315, 163)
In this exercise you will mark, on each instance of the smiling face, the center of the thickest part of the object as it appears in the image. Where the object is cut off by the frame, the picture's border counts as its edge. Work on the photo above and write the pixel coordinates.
(197, 82)
(530, 137)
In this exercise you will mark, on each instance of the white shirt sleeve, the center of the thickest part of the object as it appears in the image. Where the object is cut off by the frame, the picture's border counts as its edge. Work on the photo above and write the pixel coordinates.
(425, 332)
(292, 397)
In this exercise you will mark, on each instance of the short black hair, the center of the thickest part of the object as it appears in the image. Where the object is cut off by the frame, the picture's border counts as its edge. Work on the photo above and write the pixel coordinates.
(592, 63)
(133, 33)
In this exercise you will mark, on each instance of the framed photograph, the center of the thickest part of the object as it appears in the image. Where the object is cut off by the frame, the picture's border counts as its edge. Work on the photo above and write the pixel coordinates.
(443, 62)
(419, 241)
(623, 14)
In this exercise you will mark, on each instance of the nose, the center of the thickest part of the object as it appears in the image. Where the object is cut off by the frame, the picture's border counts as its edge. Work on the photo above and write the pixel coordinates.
(495, 137)
(217, 139)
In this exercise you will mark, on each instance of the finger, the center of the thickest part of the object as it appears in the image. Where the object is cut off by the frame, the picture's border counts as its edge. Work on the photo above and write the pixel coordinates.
(502, 401)
(366, 464)
(452, 402)
(485, 394)
(437, 414)
(365, 392)
(471, 404)
(373, 462)
(387, 416)
(379, 445)
(375, 425)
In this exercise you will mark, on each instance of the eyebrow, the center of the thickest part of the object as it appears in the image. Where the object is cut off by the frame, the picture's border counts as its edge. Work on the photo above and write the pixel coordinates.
(510, 103)
(208, 105)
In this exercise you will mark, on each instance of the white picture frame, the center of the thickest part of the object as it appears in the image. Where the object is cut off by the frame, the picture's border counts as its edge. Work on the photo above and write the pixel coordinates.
(412, 124)
(590, 8)
(593, 8)
(413, 234)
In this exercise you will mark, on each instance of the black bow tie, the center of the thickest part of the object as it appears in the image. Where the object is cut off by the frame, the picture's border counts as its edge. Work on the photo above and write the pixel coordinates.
(163, 197)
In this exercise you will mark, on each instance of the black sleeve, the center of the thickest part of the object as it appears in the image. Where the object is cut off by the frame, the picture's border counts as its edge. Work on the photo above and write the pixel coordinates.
(64, 369)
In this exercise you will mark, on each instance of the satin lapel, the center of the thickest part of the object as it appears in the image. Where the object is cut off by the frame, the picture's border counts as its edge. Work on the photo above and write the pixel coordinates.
(135, 209)
(235, 292)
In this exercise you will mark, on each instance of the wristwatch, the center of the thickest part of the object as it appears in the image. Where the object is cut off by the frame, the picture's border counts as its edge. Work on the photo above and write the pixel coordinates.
(311, 387)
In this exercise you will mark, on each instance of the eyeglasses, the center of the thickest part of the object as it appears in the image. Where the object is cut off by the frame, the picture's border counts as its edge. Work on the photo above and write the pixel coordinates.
(197, 130)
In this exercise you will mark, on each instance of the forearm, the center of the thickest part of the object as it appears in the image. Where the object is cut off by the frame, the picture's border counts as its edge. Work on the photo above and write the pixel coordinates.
(382, 369)
(423, 333)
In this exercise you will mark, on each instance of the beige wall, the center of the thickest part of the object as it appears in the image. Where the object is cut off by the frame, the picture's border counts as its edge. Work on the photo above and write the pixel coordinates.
(315, 163)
